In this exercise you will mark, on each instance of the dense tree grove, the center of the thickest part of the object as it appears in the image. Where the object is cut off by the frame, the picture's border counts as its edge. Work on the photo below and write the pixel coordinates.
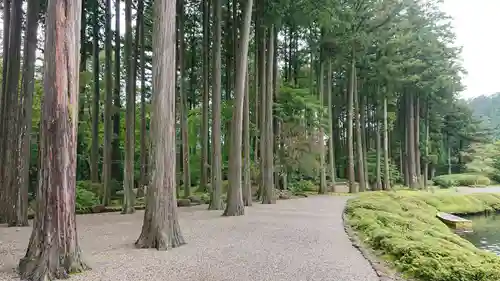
(233, 101)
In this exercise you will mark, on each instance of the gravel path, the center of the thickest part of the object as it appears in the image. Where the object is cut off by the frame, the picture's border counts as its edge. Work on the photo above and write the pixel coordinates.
(294, 240)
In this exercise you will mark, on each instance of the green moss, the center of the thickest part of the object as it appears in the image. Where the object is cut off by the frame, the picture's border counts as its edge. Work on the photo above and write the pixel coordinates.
(403, 228)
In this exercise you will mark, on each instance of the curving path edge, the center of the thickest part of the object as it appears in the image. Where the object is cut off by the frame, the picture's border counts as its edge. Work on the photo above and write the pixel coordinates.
(293, 240)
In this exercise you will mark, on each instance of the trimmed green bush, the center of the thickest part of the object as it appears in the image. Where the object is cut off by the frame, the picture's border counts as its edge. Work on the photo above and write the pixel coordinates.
(85, 199)
(402, 227)
(452, 180)
(301, 186)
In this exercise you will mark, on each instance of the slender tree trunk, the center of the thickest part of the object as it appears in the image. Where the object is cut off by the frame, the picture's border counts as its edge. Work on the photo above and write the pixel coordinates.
(411, 142)
(359, 139)
(350, 137)
(108, 104)
(378, 175)
(28, 88)
(216, 163)
(387, 181)
(321, 93)
(247, 187)
(94, 155)
(161, 228)
(449, 155)
(362, 118)
(331, 148)
(426, 162)
(234, 205)
(128, 171)
(262, 94)
(206, 96)
(143, 144)
(117, 157)
(418, 168)
(53, 250)
(267, 152)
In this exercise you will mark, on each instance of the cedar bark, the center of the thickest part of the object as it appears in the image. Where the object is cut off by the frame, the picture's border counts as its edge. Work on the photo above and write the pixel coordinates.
(247, 187)
(161, 228)
(234, 205)
(53, 250)
(117, 157)
(267, 152)
(94, 154)
(28, 88)
(108, 103)
(143, 149)
(387, 181)
(216, 168)
(128, 171)
(331, 148)
(206, 96)
(359, 139)
(350, 140)
(321, 140)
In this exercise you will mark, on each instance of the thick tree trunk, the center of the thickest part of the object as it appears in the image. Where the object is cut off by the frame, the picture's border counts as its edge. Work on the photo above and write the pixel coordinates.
(267, 152)
(94, 154)
(28, 88)
(247, 187)
(11, 111)
(387, 179)
(161, 228)
(206, 96)
(262, 95)
(350, 137)
(331, 148)
(128, 171)
(234, 205)
(53, 250)
(216, 162)
(108, 104)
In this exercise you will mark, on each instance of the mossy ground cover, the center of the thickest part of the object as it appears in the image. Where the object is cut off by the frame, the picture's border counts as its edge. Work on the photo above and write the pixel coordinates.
(402, 227)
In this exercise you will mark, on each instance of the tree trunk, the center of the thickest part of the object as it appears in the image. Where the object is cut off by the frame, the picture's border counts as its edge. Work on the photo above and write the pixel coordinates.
(216, 163)
(28, 88)
(418, 168)
(143, 144)
(183, 105)
(350, 137)
(117, 157)
(359, 139)
(267, 152)
(362, 119)
(53, 250)
(108, 104)
(3, 119)
(206, 96)
(387, 179)
(321, 140)
(247, 186)
(378, 175)
(411, 142)
(331, 148)
(161, 228)
(94, 155)
(11, 111)
(262, 94)
(128, 171)
(426, 163)
(234, 205)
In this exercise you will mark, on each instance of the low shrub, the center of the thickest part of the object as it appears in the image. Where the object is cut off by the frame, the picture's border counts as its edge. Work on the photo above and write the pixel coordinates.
(446, 181)
(403, 228)
(85, 199)
(302, 186)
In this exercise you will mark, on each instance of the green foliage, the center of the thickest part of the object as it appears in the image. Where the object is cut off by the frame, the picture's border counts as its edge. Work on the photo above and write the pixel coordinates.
(403, 228)
(394, 174)
(472, 180)
(301, 186)
(85, 198)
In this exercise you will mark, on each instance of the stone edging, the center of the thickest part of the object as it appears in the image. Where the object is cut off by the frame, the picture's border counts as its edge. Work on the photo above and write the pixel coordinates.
(380, 267)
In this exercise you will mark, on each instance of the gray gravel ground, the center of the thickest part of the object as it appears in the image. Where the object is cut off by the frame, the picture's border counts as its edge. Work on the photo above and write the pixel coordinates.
(294, 240)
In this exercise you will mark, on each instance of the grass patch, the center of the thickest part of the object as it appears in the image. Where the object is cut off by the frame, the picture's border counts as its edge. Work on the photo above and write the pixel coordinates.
(402, 227)
(472, 180)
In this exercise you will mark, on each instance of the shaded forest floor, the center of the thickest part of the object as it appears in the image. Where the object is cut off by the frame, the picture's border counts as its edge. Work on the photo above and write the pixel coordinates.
(302, 239)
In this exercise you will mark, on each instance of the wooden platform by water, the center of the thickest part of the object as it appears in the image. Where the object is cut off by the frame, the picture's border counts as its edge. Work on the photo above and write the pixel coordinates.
(455, 222)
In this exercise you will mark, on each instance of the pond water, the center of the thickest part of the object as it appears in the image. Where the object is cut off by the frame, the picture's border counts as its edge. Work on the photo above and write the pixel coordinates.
(486, 234)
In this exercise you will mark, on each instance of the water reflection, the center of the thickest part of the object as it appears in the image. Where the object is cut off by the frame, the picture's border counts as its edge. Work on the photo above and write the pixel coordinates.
(486, 234)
